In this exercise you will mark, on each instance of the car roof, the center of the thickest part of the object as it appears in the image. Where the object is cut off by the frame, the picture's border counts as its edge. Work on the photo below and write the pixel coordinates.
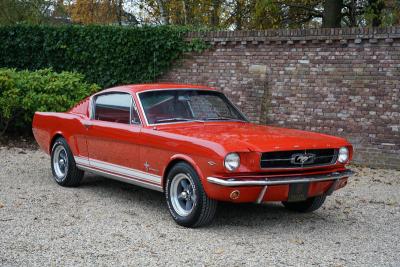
(137, 88)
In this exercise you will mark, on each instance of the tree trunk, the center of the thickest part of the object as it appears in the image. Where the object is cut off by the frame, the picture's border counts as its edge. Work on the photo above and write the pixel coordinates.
(352, 6)
(238, 15)
(184, 12)
(163, 12)
(120, 9)
(332, 15)
(215, 5)
(188, 12)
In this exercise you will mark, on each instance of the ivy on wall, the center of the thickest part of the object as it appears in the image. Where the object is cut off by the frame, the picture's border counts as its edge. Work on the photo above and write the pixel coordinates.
(106, 55)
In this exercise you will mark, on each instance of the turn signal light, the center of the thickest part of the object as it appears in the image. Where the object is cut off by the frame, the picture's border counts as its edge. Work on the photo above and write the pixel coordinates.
(235, 194)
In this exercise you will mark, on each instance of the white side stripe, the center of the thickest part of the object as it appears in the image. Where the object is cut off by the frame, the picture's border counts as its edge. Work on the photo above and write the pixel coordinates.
(119, 169)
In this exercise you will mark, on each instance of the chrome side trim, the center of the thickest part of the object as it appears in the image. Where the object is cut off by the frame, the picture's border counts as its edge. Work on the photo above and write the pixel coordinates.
(280, 180)
(121, 178)
(81, 160)
(114, 168)
(125, 171)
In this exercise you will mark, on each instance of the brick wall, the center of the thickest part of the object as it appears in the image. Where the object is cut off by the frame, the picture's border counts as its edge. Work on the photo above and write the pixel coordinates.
(342, 82)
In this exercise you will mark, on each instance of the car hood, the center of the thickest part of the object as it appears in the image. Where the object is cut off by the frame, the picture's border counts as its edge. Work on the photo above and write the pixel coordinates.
(240, 137)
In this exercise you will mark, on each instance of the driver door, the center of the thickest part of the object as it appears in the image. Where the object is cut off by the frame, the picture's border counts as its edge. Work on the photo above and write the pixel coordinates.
(113, 133)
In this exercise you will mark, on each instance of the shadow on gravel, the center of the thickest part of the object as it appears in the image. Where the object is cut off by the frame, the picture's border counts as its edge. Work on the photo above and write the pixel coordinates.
(228, 214)
(269, 215)
(119, 189)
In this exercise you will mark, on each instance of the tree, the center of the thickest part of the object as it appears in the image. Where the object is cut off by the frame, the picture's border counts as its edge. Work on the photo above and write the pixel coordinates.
(374, 12)
(94, 11)
(267, 15)
(215, 13)
(31, 11)
(286, 13)
(119, 11)
(162, 5)
(100, 12)
(220, 14)
(332, 15)
(238, 14)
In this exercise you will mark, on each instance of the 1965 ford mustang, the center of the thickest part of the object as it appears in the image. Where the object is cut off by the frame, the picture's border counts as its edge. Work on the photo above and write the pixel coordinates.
(193, 144)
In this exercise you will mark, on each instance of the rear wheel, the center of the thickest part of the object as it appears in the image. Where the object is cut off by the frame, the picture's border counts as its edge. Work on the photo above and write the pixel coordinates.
(187, 202)
(63, 165)
(309, 205)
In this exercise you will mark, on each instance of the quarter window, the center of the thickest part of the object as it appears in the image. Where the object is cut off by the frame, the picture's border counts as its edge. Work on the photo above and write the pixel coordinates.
(114, 107)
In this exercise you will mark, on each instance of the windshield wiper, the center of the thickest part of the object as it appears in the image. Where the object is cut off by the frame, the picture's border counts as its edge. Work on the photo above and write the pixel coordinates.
(176, 119)
(222, 119)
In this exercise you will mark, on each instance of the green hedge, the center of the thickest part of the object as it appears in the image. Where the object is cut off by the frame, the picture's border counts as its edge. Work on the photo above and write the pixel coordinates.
(106, 55)
(24, 92)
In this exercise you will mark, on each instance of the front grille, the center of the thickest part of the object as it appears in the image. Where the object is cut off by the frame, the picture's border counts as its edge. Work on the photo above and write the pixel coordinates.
(298, 158)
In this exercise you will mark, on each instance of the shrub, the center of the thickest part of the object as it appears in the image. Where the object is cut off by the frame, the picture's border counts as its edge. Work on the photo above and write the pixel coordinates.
(24, 92)
(106, 55)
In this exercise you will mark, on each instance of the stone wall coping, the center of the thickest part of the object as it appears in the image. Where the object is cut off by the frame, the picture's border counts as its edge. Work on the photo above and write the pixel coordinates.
(292, 35)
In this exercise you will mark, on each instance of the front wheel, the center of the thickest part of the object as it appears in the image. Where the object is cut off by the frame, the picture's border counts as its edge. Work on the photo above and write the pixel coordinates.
(309, 205)
(187, 202)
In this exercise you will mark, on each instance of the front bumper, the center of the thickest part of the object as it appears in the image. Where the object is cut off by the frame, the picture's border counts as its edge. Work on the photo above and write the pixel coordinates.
(279, 185)
(281, 180)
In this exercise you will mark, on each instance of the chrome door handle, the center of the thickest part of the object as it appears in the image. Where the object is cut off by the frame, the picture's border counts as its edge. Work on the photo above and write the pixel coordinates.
(87, 125)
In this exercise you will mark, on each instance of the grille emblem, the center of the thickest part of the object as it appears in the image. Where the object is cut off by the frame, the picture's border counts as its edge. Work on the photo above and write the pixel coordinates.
(302, 159)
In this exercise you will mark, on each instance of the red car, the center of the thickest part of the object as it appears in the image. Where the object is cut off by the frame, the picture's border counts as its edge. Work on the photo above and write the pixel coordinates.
(193, 144)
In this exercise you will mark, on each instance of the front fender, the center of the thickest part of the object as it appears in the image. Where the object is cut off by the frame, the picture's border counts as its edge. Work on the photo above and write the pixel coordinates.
(182, 157)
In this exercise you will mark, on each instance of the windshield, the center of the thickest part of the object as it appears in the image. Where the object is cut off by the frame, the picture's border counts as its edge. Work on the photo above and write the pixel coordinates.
(166, 106)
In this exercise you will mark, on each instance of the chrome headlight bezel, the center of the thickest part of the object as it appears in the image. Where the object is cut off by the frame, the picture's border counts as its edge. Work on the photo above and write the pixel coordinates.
(232, 161)
(343, 155)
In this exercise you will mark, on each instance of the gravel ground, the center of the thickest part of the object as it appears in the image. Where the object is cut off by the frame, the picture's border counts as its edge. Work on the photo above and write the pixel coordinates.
(104, 222)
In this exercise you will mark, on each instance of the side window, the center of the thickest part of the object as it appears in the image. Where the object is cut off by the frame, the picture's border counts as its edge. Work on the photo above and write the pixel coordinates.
(113, 107)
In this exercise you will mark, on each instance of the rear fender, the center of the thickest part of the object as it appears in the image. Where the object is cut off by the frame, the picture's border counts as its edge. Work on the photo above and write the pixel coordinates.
(47, 126)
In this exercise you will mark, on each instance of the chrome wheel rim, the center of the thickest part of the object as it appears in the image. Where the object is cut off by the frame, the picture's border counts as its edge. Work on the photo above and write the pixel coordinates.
(182, 194)
(60, 163)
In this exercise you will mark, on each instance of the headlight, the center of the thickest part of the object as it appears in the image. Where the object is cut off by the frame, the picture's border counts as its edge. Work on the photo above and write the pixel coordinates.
(343, 155)
(232, 161)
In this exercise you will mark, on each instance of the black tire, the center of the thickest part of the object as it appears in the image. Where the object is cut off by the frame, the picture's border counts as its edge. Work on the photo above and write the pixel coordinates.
(203, 208)
(309, 205)
(73, 176)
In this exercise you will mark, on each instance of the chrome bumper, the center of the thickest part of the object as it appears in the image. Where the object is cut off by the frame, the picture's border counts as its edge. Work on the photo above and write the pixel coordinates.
(281, 180)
